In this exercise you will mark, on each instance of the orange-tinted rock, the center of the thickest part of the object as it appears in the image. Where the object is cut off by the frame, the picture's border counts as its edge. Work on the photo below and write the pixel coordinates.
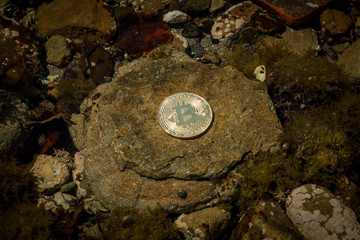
(294, 12)
(142, 32)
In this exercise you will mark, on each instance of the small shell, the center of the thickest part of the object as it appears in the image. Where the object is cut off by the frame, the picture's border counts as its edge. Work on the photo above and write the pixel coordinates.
(260, 73)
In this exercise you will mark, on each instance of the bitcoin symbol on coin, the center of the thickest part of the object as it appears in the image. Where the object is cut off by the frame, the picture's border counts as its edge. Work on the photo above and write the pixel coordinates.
(185, 115)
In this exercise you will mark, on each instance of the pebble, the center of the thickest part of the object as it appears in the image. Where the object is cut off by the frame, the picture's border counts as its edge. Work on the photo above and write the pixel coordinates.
(300, 41)
(58, 51)
(175, 17)
(50, 171)
(191, 30)
(233, 20)
(335, 22)
(350, 59)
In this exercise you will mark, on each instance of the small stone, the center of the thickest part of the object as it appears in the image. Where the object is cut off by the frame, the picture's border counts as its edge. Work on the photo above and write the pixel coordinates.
(182, 193)
(233, 20)
(357, 23)
(216, 5)
(175, 17)
(197, 50)
(58, 51)
(64, 200)
(51, 172)
(301, 41)
(350, 59)
(191, 30)
(260, 73)
(341, 47)
(266, 220)
(335, 22)
(210, 57)
(208, 223)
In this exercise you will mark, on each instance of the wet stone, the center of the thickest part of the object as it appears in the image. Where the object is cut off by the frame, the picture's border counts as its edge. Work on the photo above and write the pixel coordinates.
(233, 20)
(300, 41)
(294, 12)
(131, 162)
(69, 18)
(266, 220)
(208, 223)
(335, 22)
(58, 51)
(350, 59)
(191, 30)
(318, 214)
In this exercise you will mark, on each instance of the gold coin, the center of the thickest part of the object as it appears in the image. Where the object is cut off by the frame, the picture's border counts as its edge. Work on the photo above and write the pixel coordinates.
(185, 115)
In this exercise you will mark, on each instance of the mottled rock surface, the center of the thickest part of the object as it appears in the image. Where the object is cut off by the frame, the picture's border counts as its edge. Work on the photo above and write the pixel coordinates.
(335, 22)
(129, 159)
(70, 18)
(208, 223)
(301, 41)
(318, 214)
(58, 51)
(175, 17)
(51, 172)
(350, 59)
(265, 221)
(233, 20)
(13, 115)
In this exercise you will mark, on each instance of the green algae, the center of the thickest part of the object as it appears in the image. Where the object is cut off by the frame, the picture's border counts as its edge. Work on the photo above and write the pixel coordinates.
(72, 92)
(149, 224)
(20, 217)
(292, 80)
(267, 175)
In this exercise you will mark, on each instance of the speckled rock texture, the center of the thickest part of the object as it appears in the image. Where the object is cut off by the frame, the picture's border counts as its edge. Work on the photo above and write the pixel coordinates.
(51, 171)
(233, 20)
(350, 59)
(266, 220)
(318, 214)
(13, 115)
(70, 18)
(335, 22)
(58, 51)
(131, 161)
(208, 223)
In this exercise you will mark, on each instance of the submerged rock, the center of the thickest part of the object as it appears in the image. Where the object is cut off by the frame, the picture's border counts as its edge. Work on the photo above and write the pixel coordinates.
(70, 18)
(350, 59)
(51, 172)
(233, 20)
(300, 41)
(13, 115)
(265, 221)
(58, 51)
(208, 223)
(131, 162)
(318, 214)
(335, 22)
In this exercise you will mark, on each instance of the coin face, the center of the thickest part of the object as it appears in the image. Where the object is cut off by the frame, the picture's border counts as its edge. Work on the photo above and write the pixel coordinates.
(185, 115)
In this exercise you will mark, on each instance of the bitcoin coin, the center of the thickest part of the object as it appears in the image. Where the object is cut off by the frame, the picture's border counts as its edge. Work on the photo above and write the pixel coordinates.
(185, 115)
